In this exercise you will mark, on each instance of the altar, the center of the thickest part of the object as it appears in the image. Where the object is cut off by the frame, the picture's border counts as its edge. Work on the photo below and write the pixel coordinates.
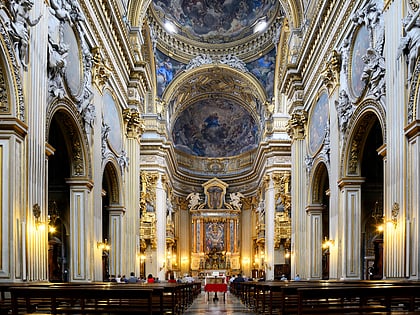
(215, 284)
(216, 228)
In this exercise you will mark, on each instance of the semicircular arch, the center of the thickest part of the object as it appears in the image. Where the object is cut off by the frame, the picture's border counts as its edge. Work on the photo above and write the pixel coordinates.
(11, 84)
(361, 123)
(318, 180)
(112, 177)
(216, 79)
(76, 139)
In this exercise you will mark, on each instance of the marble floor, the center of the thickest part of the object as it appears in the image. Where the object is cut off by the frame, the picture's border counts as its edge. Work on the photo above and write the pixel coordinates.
(231, 305)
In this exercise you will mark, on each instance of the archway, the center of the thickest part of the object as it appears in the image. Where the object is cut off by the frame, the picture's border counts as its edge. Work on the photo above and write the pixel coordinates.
(372, 205)
(112, 214)
(58, 204)
(321, 197)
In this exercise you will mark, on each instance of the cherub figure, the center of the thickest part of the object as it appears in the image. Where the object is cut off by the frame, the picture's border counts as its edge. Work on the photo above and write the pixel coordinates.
(410, 44)
(194, 200)
(236, 200)
(21, 22)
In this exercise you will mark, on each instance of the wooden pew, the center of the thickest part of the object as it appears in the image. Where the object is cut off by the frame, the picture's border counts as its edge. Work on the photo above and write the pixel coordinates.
(85, 299)
(356, 298)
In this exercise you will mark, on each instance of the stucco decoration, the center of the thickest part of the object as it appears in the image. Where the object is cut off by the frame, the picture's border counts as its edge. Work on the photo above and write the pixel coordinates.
(112, 119)
(20, 24)
(318, 123)
(344, 111)
(410, 42)
(362, 53)
(67, 45)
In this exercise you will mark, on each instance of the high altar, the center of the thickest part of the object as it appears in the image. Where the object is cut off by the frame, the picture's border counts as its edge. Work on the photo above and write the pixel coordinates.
(215, 229)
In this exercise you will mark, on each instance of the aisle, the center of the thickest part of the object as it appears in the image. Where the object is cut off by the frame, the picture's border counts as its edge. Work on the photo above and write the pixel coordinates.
(232, 305)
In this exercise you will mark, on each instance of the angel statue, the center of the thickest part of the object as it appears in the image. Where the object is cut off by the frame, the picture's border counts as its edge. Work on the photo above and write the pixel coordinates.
(410, 44)
(194, 200)
(236, 200)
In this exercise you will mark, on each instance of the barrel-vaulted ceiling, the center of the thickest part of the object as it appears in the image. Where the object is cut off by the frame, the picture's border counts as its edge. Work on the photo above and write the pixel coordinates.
(215, 73)
(237, 35)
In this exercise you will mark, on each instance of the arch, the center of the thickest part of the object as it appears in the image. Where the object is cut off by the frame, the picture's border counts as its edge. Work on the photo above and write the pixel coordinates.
(414, 95)
(112, 177)
(319, 180)
(354, 140)
(220, 78)
(76, 138)
(10, 72)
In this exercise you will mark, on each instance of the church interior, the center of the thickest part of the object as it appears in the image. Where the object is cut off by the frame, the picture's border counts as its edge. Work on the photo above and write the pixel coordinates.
(190, 137)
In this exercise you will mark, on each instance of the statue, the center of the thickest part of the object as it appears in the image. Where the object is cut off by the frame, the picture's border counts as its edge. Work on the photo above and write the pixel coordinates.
(410, 44)
(194, 200)
(236, 200)
(21, 21)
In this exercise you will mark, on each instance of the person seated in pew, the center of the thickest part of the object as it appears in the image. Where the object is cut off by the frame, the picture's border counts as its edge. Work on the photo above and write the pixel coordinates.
(150, 278)
(133, 278)
(239, 278)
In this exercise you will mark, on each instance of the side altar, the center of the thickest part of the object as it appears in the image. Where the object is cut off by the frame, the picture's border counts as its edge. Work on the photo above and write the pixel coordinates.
(215, 228)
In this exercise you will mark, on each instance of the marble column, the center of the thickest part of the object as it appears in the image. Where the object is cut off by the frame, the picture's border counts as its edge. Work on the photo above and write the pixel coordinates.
(35, 81)
(296, 130)
(269, 228)
(117, 252)
(396, 173)
(160, 228)
(413, 202)
(81, 232)
(350, 189)
(132, 187)
(314, 237)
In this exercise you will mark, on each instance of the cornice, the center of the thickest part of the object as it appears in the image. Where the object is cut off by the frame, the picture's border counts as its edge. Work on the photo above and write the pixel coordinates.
(108, 22)
(316, 59)
(183, 49)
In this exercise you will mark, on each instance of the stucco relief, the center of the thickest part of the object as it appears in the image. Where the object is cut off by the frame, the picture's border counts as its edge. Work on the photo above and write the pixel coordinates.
(67, 45)
(362, 54)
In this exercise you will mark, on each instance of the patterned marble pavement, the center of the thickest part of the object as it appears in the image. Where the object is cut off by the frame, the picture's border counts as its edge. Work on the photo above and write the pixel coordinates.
(231, 306)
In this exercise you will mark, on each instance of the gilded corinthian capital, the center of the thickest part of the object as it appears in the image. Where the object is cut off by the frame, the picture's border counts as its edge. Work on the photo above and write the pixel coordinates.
(100, 71)
(331, 73)
(296, 125)
(134, 124)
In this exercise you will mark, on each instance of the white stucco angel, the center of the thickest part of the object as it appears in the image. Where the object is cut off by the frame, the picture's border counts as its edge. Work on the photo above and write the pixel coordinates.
(410, 44)
(194, 200)
(236, 200)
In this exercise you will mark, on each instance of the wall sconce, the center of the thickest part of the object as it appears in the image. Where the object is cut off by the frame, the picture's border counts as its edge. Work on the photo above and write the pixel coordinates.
(163, 266)
(287, 254)
(267, 266)
(36, 210)
(103, 245)
(327, 243)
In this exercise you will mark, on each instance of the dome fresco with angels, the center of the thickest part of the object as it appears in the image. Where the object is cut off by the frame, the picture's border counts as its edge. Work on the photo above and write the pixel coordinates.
(215, 21)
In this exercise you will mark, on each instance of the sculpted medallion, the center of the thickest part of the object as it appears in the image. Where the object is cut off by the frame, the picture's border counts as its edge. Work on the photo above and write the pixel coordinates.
(318, 123)
(357, 64)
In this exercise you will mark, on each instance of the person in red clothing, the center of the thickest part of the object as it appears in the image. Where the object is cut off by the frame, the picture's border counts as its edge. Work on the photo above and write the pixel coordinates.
(172, 279)
(150, 278)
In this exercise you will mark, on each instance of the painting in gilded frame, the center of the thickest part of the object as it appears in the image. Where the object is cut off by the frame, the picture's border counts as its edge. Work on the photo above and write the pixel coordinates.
(215, 236)
(360, 46)
(318, 123)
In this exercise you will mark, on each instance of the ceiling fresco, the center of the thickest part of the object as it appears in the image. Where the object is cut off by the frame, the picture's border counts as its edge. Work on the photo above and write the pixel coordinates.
(263, 69)
(215, 127)
(215, 21)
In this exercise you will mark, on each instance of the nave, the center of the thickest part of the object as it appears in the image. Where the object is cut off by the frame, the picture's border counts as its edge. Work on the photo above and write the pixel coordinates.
(231, 306)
